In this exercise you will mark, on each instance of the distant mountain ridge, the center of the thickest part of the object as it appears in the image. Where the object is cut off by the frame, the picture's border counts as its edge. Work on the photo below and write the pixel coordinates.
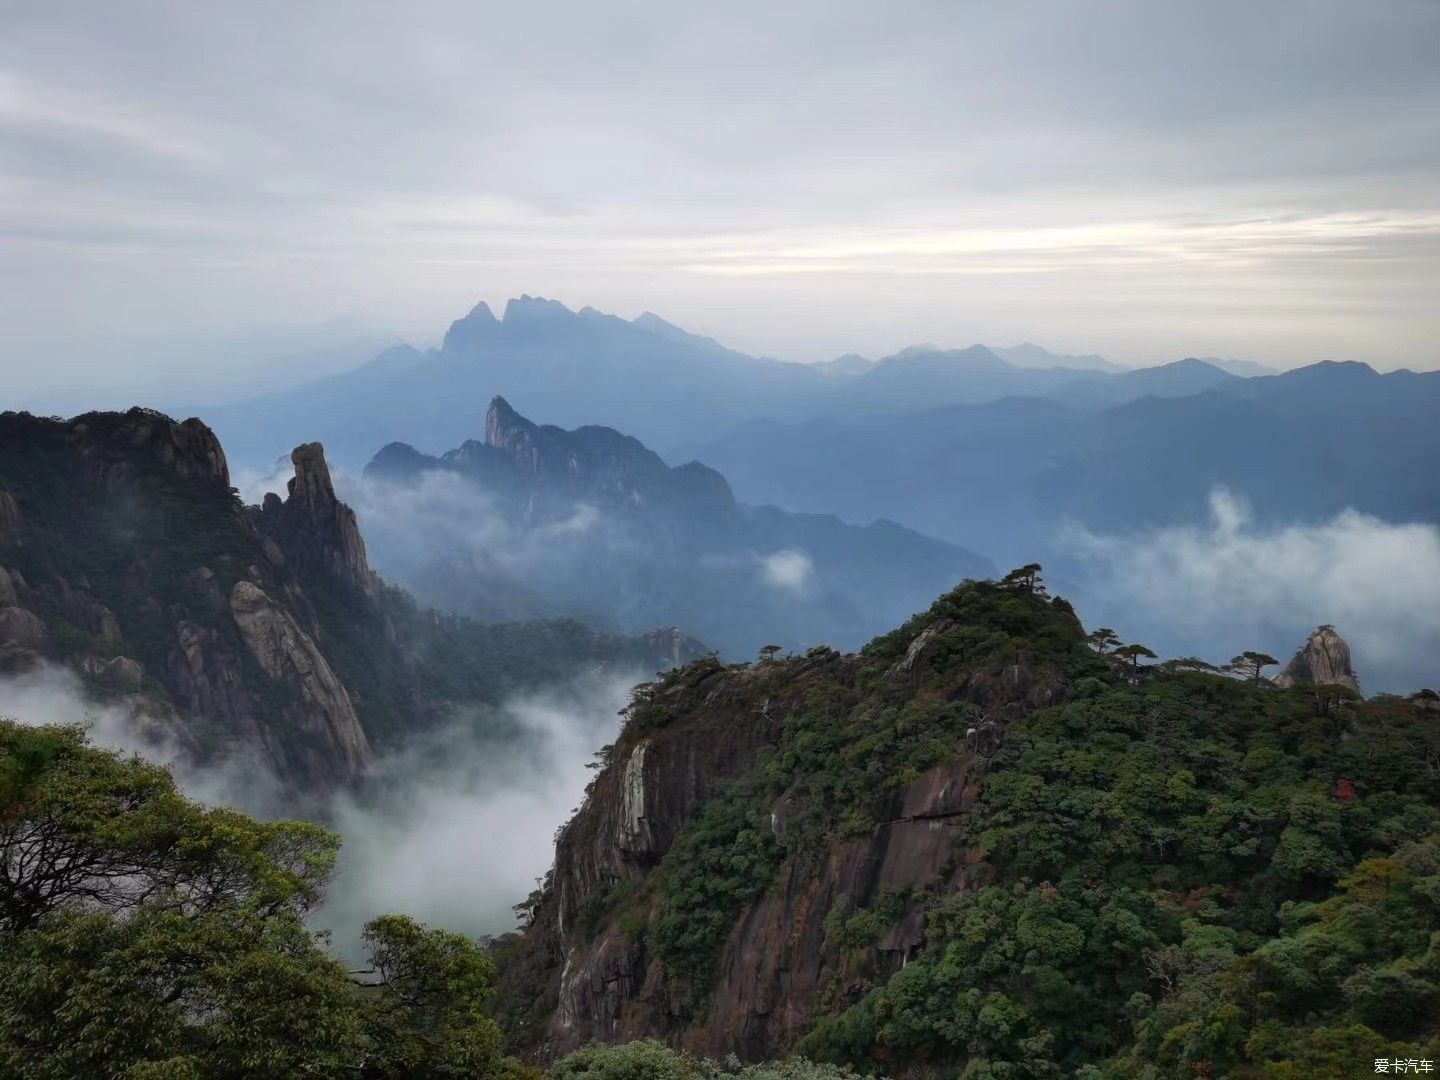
(1300, 446)
(646, 376)
(623, 534)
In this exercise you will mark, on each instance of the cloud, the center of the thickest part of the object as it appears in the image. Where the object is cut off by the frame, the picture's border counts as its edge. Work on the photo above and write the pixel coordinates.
(1226, 585)
(460, 828)
(49, 694)
(456, 826)
(791, 569)
(818, 181)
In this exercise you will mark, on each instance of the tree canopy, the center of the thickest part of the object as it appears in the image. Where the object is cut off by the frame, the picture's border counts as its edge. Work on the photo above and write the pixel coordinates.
(145, 936)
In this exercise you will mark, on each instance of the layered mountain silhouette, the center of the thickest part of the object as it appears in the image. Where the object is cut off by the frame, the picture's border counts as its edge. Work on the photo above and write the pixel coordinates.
(591, 521)
(1301, 446)
(650, 378)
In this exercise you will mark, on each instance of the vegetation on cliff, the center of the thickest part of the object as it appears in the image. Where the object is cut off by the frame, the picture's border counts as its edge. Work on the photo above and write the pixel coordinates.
(1168, 871)
(1179, 884)
(1146, 870)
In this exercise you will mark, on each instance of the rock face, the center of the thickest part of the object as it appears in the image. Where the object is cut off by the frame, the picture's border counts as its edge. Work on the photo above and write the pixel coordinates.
(9, 515)
(22, 636)
(781, 964)
(316, 529)
(287, 654)
(1324, 660)
(126, 557)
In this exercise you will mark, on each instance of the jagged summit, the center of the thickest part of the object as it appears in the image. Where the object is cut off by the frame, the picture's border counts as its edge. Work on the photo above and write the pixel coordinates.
(505, 428)
(481, 313)
(314, 527)
(128, 560)
(527, 307)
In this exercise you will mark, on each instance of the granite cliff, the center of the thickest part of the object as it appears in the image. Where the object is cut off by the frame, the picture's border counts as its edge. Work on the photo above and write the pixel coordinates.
(598, 937)
(1324, 660)
(127, 557)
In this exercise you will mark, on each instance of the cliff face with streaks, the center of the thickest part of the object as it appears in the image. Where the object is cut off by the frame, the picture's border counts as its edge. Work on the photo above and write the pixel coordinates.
(976, 843)
(629, 949)
(1324, 660)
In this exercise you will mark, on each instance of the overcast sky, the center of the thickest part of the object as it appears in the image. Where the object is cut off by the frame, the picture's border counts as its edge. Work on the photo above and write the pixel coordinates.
(1143, 179)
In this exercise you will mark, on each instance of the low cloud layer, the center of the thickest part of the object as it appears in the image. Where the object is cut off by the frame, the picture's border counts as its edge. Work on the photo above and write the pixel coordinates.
(1225, 585)
(460, 829)
(790, 569)
(457, 826)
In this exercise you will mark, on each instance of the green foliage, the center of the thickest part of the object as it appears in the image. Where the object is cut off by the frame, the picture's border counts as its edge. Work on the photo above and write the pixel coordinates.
(641, 1060)
(428, 1016)
(841, 757)
(1177, 890)
(142, 935)
(855, 928)
(982, 620)
(649, 1060)
(727, 856)
(89, 826)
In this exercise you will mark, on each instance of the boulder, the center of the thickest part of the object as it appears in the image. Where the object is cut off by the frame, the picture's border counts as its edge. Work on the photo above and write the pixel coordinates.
(1324, 660)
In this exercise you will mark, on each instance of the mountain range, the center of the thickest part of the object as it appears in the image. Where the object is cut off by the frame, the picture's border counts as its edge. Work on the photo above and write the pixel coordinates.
(649, 378)
(1003, 475)
(537, 520)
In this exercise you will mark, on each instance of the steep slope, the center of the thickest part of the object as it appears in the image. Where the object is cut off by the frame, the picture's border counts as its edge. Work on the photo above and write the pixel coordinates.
(126, 556)
(981, 842)
(604, 526)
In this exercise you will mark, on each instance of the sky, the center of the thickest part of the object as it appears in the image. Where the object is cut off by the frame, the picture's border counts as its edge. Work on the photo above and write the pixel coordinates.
(1144, 179)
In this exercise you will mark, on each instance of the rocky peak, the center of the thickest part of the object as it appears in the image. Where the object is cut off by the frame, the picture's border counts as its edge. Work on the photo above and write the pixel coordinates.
(472, 329)
(119, 446)
(528, 308)
(313, 528)
(311, 487)
(1324, 660)
(506, 429)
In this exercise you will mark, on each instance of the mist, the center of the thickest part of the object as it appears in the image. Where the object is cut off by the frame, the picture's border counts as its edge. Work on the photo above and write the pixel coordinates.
(733, 581)
(454, 829)
(454, 833)
(1218, 587)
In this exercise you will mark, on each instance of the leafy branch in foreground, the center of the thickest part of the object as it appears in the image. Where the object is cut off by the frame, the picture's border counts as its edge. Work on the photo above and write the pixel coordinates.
(145, 936)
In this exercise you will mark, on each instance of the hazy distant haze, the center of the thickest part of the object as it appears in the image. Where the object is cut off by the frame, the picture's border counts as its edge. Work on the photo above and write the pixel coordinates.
(1141, 179)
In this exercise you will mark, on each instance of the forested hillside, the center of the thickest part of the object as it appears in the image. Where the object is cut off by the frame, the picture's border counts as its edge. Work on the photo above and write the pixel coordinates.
(991, 842)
